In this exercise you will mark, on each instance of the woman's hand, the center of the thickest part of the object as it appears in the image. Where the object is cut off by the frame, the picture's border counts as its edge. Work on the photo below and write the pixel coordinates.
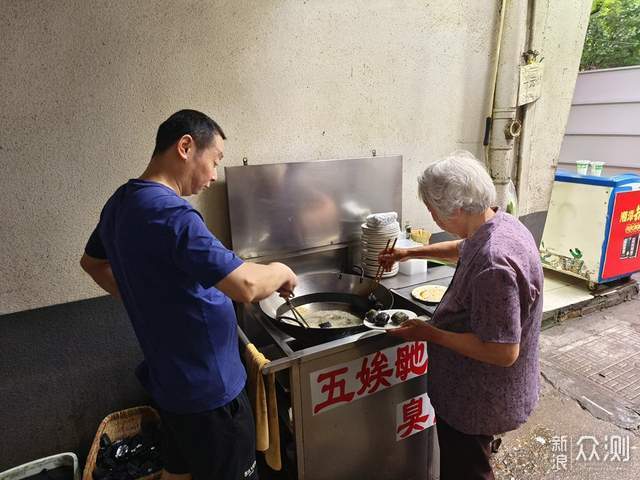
(388, 257)
(415, 329)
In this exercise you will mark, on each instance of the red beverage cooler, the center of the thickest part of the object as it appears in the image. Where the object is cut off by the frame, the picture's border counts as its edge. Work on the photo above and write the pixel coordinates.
(593, 227)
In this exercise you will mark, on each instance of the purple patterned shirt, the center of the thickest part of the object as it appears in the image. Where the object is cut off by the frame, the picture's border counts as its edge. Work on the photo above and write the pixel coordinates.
(496, 293)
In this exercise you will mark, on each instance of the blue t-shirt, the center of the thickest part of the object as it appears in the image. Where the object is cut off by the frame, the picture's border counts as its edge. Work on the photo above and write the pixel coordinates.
(166, 261)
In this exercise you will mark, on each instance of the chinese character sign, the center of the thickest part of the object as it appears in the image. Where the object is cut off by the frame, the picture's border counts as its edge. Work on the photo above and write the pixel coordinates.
(621, 256)
(530, 83)
(347, 382)
(413, 416)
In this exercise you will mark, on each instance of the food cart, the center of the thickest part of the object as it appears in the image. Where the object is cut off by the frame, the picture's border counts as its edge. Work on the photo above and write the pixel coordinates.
(355, 405)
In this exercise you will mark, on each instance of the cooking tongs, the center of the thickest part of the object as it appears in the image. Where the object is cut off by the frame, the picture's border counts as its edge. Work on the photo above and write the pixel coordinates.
(296, 314)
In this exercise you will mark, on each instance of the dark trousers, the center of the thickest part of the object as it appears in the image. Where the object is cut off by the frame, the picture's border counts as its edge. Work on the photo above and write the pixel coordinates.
(463, 456)
(218, 444)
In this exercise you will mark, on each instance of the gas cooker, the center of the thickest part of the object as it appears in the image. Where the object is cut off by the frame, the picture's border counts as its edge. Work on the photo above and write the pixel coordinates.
(255, 325)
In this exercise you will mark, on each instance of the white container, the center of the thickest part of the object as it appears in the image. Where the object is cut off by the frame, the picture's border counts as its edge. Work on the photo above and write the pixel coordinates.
(582, 167)
(413, 266)
(596, 168)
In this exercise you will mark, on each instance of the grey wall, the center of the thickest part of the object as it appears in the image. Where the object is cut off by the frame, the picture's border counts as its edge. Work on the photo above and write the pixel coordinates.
(86, 84)
(604, 122)
(62, 370)
(558, 31)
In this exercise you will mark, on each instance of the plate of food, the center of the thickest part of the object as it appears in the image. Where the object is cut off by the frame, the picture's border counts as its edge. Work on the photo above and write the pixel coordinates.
(387, 319)
(429, 293)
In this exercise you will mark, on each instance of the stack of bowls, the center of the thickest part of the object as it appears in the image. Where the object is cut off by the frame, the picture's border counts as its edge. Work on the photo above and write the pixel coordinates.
(374, 240)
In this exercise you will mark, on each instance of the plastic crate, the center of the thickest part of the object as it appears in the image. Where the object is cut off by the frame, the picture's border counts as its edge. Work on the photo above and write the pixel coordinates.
(30, 469)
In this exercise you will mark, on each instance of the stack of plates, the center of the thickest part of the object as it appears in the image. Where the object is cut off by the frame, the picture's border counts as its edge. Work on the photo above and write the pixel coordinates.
(374, 240)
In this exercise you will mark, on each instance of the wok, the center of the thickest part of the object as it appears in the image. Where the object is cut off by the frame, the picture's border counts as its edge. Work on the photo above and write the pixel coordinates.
(323, 291)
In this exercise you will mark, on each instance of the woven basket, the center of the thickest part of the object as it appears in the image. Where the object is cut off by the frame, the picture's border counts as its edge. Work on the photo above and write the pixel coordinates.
(118, 425)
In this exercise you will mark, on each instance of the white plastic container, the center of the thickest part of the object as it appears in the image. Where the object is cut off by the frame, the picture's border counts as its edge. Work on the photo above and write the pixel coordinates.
(596, 168)
(414, 265)
(582, 167)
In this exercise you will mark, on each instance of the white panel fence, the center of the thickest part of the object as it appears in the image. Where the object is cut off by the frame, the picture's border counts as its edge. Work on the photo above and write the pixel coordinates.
(604, 122)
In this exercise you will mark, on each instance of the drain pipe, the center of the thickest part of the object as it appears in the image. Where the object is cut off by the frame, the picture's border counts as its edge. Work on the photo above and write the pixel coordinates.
(503, 126)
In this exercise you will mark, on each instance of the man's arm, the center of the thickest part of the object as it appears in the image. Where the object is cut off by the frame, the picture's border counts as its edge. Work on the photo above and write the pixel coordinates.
(467, 344)
(100, 271)
(251, 282)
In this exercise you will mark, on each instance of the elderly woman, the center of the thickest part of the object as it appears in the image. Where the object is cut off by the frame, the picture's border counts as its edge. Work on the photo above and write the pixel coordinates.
(483, 337)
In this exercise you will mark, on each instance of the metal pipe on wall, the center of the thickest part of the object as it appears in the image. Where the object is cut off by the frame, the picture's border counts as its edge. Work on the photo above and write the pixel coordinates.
(501, 157)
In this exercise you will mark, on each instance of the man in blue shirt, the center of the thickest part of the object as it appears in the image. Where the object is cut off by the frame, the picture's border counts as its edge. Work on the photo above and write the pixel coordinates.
(152, 250)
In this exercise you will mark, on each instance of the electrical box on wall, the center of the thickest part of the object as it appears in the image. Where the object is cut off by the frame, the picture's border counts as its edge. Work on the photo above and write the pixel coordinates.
(593, 227)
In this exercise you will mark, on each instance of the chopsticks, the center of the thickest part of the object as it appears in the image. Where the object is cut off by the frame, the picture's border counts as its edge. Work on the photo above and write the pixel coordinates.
(296, 313)
(380, 271)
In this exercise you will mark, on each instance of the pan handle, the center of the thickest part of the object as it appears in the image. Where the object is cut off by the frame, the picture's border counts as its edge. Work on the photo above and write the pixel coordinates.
(359, 267)
(279, 319)
(243, 336)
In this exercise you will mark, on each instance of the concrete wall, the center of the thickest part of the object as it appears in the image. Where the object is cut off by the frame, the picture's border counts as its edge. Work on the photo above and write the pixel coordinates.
(604, 121)
(87, 83)
(62, 370)
(558, 34)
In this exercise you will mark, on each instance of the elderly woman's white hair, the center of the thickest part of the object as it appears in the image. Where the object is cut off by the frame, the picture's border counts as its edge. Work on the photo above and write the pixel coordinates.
(458, 181)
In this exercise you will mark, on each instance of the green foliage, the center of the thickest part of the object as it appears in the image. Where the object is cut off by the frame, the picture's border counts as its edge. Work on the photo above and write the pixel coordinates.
(613, 35)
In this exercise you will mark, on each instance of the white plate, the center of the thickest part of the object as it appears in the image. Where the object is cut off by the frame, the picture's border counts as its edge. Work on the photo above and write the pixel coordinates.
(380, 233)
(374, 248)
(373, 270)
(374, 266)
(371, 254)
(385, 228)
(383, 238)
(367, 232)
(429, 293)
(389, 325)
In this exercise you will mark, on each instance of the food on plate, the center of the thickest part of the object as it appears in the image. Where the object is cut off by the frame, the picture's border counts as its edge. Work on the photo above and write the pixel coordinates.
(429, 293)
(381, 319)
(325, 325)
(371, 314)
(399, 318)
(420, 235)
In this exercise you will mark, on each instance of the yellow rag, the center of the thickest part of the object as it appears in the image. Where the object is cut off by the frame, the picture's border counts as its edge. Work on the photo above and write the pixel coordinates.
(265, 407)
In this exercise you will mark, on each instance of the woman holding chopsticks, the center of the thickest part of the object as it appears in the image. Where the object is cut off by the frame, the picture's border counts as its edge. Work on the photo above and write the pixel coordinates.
(483, 337)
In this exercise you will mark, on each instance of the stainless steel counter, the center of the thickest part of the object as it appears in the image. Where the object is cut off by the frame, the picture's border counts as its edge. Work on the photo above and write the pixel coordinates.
(366, 424)
(336, 423)
(430, 276)
(348, 435)
(402, 285)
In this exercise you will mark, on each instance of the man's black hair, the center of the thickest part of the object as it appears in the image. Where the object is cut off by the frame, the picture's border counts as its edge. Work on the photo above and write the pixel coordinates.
(187, 122)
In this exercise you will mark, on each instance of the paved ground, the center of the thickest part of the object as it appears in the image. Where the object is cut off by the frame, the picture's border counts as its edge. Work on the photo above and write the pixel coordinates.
(591, 389)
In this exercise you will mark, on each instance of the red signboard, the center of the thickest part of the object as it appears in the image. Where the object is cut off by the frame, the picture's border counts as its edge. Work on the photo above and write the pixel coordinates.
(621, 256)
